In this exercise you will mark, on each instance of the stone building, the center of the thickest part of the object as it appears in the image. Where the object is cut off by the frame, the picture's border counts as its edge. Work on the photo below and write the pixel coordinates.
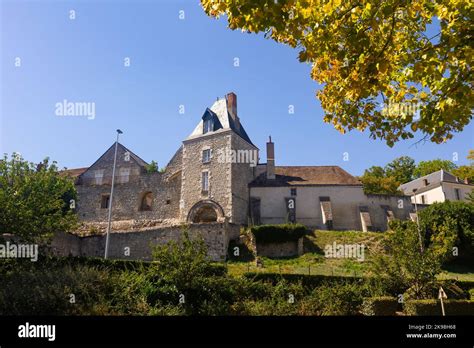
(215, 178)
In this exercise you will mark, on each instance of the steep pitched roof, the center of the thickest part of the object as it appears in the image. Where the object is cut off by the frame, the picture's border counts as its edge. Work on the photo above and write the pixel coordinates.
(306, 175)
(140, 162)
(434, 180)
(224, 120)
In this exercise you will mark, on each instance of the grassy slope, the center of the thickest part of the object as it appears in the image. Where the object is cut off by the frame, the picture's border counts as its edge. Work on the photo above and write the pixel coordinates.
(314, 262)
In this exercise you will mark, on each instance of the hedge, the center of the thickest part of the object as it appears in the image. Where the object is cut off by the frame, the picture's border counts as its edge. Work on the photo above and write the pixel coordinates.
(383, 305)
(217, 269)
(304, 279)
(278, 233)
(433, 307)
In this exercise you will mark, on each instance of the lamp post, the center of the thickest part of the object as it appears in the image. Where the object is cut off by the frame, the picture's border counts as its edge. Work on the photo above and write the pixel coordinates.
(111, 196)
(418, 222)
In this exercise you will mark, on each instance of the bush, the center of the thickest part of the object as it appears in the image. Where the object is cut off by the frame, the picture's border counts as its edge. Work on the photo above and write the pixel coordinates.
(458, 217)
(339, 298)
(433, 307)
(383, 305)
(45, 290)
(266, 234)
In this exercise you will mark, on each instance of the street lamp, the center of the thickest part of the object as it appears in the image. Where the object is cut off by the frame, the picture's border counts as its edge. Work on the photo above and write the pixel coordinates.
(111, 197)
(418, 221)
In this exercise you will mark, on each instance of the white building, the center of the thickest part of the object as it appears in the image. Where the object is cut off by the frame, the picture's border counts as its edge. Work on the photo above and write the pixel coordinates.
(323, 197)
(439, 186)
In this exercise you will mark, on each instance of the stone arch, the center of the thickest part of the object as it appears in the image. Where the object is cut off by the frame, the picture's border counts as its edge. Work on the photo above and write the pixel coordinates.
(146, 201)
(205, 211)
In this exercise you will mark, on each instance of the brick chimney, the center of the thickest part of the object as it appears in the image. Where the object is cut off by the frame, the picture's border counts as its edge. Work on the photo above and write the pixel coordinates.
(232, 108)
(270, 159)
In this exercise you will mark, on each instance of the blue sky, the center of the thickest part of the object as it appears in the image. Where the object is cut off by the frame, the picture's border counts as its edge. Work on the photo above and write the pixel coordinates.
(174, 62)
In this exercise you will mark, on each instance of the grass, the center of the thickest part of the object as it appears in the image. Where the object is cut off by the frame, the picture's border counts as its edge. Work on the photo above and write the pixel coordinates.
(314, 262)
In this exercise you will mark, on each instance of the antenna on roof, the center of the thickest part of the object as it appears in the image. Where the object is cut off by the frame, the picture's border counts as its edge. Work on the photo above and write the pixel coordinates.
(269, 138)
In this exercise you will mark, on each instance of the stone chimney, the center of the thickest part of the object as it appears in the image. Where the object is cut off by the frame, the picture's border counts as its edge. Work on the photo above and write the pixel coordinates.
(232, 108)
(270, 159)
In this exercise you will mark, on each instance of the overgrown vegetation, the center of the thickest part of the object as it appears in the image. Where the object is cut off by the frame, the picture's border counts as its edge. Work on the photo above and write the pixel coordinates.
(278, 233)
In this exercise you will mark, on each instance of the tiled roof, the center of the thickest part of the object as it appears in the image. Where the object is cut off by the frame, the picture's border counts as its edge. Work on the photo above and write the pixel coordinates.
(307, 175)
(73, 172)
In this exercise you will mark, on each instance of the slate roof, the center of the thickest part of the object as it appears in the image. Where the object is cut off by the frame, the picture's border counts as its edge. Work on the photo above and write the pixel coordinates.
(222, 120)
(76, 172)
(434, 180)
(306, 176)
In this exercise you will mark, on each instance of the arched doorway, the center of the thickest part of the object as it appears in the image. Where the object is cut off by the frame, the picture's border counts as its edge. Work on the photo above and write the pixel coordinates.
(205, 211)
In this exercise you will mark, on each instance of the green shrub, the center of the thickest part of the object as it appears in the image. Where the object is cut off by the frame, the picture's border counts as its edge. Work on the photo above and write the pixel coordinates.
(266, 234)
(383, 305)
(433, 307)
(44, 290)
(458, 217)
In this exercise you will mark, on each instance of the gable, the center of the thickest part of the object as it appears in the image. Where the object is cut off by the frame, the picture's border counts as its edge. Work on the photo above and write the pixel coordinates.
(128, 164)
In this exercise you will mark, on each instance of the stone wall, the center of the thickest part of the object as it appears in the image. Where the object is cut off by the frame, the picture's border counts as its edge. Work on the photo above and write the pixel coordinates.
(284, 249)
(128, 197)
(243, 172)
(139, 243)
(219, 173)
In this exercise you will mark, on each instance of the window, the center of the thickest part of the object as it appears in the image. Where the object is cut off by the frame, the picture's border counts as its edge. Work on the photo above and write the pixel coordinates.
(291, 209)
(365, 219)
(457, 193)
(423, 200)
(425, 181)
(293, 192)
(255, 210)
(207, 126)
(205, 181)
(206, 156)
(146, 202)
(124, 175)
(326, 212)
(104, 202)
(98, 176)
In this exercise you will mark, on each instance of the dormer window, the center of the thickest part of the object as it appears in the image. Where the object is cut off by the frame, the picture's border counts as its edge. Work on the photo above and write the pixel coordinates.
(425, 182)
(207, 126)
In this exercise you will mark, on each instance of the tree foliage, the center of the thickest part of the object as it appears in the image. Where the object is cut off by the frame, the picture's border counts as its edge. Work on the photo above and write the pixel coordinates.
(455, 217)
(35, 200)
(371, 53)
(404, 268)
(401, 169)
(384, 185)
(152, 167)
(427, 167)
